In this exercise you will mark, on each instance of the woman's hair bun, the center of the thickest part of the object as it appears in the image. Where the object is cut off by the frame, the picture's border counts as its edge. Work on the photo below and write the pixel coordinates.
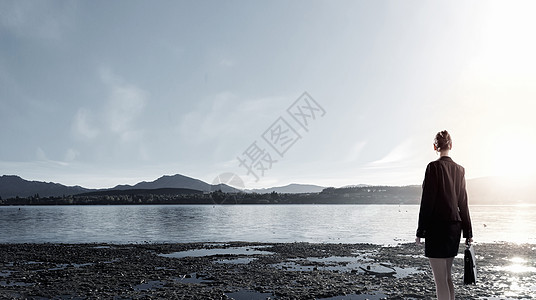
(442, 140)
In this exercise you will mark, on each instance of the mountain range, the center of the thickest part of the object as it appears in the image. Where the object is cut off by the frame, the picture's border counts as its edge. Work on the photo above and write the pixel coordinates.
(177, 181)
(487, 190)
(14, 186)
(292, 188)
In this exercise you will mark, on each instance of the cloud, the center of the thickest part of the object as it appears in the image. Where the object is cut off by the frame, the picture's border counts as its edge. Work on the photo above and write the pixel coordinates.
(112, 129)
(227, 62)
(125, 103)
(207, 121)
(37, 19)
(40, 154)
(399, 155)
(42, 158)
(225, 116)
(355, 151)
(82, 126)
(71, 155)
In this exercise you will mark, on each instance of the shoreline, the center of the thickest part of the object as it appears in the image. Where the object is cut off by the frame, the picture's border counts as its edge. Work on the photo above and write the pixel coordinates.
(246, 270)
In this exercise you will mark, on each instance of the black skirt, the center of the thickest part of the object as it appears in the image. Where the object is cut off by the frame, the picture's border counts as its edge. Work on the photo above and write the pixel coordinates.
(443, 240)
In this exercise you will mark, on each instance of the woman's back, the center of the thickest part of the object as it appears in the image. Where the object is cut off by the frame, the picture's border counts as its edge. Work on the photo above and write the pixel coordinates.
(445, 185)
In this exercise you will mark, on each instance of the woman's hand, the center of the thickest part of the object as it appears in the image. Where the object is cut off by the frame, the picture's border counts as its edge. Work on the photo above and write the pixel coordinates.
(469, 241)
(418, 240)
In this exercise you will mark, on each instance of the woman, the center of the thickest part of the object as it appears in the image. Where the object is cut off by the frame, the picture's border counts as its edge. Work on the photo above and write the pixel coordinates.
(443, 215)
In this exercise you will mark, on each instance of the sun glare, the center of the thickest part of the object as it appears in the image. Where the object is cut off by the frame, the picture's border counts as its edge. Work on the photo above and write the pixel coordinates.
(500, 93)
(518, 265)
(508, 155)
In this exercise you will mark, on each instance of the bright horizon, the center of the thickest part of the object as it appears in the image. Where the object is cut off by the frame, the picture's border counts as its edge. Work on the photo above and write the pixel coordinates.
(101, 94)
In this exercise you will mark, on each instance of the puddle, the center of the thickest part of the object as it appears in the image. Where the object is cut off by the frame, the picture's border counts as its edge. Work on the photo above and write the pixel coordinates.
(376, 296)
(338, 259)
(405, 272)
(212, 245)
(111, 261)
(379, 270)
(70, 297)
(7, 283)
(345, 264)
(193, 278)
(248, 250)
(236, 261)
(5, 273)
(65, 266)
(149, 285)
(58, 267)
(102, 247)
(249, 295)
(293, 266)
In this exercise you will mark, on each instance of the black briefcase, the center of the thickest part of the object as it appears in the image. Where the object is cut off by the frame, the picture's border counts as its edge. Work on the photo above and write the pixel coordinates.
(469, 274)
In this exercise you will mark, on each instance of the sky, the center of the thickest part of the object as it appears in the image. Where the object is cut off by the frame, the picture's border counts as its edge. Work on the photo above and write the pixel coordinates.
(333, 93)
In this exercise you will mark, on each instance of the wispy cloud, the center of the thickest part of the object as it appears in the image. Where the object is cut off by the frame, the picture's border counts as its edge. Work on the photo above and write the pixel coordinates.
(40, 154)
(225, 62)
(113, 127)
(42, 157)
(83, 125)
(125, 103)
(355, 150)
(71, 154)
(37, 19)
(227, 115)
(399, 155)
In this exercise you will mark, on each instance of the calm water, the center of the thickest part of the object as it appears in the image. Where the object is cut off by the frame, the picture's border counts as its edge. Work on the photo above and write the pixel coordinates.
(378, 224)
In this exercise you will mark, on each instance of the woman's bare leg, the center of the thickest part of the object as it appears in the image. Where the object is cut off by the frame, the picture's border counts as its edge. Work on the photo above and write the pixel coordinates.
(441, 267)
(450, 260)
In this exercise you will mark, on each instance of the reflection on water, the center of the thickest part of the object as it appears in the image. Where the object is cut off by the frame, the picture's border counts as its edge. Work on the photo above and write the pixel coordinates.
(516, 280)
(248, 295)
(519, 265)
(375, 296)
(378, 224)
(353, 264)
(251, 250)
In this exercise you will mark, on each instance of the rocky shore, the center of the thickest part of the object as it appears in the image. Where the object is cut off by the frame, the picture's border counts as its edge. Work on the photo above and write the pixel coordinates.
(242, 270)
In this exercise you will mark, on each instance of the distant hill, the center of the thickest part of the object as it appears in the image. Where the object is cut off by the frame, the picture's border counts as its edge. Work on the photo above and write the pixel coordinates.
(480, 191)
(371, 195)
(501, 191)
(12, 186)
(177, 181)
(138, 192)
(355, 186)
(485, 191)
(292, 188)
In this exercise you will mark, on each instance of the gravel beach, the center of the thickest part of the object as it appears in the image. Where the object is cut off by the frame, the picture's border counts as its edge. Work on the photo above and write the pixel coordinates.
(242, 270)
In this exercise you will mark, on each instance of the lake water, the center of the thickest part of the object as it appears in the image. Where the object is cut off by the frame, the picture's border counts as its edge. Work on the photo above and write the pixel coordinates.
(378, 224)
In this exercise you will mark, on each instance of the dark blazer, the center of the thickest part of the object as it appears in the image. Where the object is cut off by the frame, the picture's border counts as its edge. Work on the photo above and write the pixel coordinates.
(444, 197)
